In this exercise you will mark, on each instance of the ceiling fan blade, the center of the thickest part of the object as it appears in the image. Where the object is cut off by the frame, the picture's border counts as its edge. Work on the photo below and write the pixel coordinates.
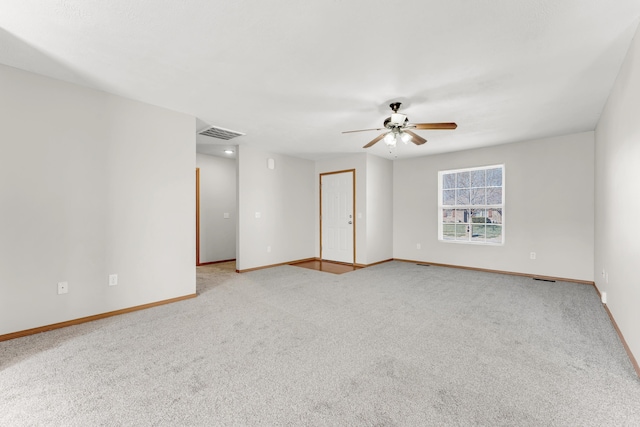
(378, 138)
(415, 138)
(435, 125)
(361, 130)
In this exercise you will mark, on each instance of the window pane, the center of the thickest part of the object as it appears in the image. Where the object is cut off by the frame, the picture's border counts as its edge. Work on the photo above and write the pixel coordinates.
(494, 233)
(472, 204)
(449, 180)
(477, 196)
(463, 180)
(462, 197)
(494, 177)
(462, 232)
(448, 197)
(462, 215)
(477, 178)
(478, 216)
(494, 196)
(449, 232)
(477, 232)
(494, 216)
(448, 215)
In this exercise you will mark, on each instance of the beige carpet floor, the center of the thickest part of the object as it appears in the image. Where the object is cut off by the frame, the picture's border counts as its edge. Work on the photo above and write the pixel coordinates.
(390, 345)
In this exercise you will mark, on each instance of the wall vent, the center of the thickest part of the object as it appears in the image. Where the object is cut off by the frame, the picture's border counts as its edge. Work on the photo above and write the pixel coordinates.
(220, 133)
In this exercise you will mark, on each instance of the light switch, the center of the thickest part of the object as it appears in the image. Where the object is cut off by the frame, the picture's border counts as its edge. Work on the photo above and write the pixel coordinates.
(257, 214)
(226, 215)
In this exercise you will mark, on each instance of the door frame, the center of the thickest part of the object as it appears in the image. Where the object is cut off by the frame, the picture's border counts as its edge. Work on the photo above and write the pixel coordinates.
(353, 204)
(197, 217)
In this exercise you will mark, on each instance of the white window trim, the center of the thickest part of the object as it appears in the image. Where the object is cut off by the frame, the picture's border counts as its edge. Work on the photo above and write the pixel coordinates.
(441, 207)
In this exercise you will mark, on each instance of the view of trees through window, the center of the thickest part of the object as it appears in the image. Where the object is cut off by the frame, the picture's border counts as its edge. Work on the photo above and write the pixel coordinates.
(472, 204)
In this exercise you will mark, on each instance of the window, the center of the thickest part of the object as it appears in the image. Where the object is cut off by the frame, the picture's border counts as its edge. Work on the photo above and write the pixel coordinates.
(471, 205)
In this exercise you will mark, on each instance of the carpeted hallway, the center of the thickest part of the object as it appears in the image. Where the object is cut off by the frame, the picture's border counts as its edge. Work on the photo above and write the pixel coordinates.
(396, 344)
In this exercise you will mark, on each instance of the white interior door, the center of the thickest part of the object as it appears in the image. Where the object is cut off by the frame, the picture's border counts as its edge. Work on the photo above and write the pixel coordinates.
(337, 221)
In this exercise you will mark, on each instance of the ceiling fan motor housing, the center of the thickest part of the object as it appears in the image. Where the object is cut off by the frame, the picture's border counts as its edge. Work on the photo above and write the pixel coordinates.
(399, 119)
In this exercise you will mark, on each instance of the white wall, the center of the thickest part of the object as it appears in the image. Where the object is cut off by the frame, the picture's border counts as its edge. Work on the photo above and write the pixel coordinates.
(359, 163)
(90, 184)
(217, 197)
(379, 209)
(617, 236)
(548, 208)
(284, 198)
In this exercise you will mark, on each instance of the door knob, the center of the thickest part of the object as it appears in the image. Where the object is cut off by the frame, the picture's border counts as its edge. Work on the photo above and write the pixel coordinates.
(350, 222)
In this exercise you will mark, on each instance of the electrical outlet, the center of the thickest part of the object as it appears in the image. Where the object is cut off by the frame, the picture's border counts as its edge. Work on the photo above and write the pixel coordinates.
(113, 279)
(226, 215)
(63, 288)
(603, 272)
(418, 246)
(532, 255)
(268, 248)
(257, 214)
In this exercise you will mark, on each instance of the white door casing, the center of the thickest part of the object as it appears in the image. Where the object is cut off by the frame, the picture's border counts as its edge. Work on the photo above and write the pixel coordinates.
(337, 219)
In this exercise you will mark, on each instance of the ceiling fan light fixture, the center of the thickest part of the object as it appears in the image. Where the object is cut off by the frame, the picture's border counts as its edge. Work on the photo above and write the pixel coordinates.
(405, 137)
(390, 139)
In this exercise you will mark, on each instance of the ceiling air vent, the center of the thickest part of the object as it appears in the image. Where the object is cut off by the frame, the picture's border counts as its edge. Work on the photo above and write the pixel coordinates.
(220, 133)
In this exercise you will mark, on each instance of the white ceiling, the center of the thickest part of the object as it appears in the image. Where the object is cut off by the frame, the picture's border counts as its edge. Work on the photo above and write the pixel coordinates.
(293, 75)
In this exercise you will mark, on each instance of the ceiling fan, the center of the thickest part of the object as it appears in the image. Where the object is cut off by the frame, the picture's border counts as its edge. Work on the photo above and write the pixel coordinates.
(398, 129)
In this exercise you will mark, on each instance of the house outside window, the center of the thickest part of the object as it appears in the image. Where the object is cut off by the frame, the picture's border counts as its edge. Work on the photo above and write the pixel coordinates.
(471, 205)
